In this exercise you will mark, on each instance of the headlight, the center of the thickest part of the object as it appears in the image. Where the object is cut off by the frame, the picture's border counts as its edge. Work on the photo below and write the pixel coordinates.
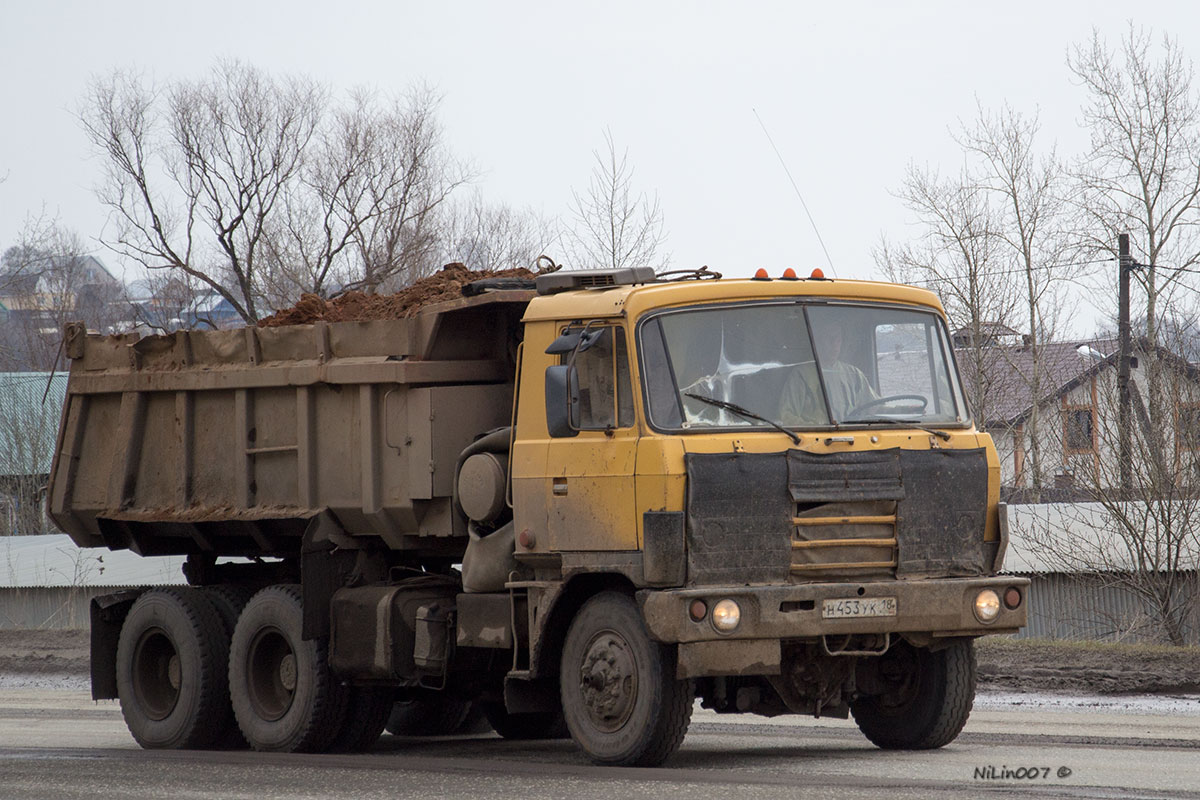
(726, 615)
(987, 605)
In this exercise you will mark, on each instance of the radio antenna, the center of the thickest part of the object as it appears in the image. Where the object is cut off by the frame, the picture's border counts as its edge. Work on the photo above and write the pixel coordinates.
(788, 172)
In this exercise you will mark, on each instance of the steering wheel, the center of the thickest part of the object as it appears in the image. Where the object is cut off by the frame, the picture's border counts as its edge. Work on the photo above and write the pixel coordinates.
(891, 398)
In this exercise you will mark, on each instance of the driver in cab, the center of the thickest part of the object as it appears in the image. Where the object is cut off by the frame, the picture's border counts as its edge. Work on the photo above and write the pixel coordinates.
(845, 384)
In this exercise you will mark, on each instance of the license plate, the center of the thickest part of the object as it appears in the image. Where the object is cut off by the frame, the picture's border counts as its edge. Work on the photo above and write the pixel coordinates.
(851, 607)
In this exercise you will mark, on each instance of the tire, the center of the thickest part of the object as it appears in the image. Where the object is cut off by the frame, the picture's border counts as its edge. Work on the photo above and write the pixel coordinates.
(429, 716)
(367, 711)
(171, 677)
(929, 699)
(229, 599)
(620, 697)
(527, 726)
(284, 696)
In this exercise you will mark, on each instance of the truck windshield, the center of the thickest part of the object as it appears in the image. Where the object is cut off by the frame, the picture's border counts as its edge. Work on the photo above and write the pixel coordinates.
(799, 365)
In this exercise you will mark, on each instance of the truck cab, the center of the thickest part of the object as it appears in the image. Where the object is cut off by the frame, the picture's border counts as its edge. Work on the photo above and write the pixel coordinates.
(781, 477)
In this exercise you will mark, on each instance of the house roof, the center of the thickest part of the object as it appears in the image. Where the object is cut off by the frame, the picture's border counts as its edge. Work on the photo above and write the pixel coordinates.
(986, 329)
(29, 417)
(1007, 373)
(54, 560)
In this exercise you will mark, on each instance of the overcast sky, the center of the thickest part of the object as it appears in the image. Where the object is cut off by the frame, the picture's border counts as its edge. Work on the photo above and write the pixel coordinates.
(851, 93)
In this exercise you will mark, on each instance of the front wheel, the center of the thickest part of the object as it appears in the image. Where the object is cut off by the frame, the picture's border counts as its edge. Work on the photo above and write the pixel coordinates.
(620, 697)
(926, 700)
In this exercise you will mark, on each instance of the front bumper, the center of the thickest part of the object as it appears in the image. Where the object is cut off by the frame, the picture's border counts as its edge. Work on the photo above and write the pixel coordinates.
(937, 607)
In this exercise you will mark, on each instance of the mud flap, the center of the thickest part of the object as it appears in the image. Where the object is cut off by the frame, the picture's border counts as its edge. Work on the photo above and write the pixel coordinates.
(108, 614)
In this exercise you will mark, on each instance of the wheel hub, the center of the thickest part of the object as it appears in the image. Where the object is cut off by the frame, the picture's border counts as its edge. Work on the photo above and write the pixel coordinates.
(287, 672)
(156, 674)
(173, 676)
(608, 681)
(272, 674)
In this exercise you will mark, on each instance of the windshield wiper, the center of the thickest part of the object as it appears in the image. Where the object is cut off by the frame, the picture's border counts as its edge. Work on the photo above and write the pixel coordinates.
(742, 412)
(912, 423)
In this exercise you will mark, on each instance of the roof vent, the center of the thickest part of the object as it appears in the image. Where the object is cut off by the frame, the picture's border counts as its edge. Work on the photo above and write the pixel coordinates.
(564, 280)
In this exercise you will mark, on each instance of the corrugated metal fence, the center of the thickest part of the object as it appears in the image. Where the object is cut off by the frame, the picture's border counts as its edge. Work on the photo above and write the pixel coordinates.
(49, 608)
(1093, 607)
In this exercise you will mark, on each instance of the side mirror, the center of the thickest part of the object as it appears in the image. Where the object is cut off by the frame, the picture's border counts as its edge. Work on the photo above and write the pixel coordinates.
(562, 400)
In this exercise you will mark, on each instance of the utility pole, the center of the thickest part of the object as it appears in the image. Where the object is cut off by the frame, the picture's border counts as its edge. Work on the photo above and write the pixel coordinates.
(1123, 413)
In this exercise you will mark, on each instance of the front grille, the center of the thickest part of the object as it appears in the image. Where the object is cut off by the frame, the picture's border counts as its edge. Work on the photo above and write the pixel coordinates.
(832, 540)
(760, 518)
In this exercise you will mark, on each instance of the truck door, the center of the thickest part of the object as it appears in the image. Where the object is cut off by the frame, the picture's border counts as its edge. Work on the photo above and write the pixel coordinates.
(589, 485)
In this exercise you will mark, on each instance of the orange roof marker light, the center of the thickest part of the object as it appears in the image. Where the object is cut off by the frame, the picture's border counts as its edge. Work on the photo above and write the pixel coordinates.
(761, 275)
(789, 274)
(817, 274)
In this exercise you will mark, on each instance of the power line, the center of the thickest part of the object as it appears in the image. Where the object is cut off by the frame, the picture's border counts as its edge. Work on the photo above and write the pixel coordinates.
(788, 172)
(1015, 271)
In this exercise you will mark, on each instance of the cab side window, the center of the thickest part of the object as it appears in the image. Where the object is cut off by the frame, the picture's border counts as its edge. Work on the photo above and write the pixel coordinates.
(604, 386)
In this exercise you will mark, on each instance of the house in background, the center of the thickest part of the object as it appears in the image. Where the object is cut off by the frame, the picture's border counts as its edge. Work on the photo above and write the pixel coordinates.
(48, 287)
(211, 310)
(41, 293)
(1077, 410)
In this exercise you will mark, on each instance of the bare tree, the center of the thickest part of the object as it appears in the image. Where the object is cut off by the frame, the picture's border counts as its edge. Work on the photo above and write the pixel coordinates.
(368, 217)
(29, 415)
(956, 256)
(614, 225)
(1141, 173)
(261, 188)
(494, 236)
(1028, 189)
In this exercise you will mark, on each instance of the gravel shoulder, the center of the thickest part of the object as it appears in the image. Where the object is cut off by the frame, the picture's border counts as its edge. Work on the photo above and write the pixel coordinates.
(1101, 668)
(44, 653)
(1005, 665)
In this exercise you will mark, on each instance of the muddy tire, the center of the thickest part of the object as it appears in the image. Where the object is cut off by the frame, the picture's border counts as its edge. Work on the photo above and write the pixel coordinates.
(620, 697)
(929, 697)
(284, 696)
(429, 716)
(528, 726)
(367, 711)
(171, 677)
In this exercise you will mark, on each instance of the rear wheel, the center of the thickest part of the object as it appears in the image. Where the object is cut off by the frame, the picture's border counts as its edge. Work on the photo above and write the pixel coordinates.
(229, 599)
(171, 681)
(927, 699)
(620, 696)
(284, 696)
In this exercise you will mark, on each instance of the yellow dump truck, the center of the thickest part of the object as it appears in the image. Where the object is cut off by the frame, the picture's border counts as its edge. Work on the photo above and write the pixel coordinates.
(579, 505)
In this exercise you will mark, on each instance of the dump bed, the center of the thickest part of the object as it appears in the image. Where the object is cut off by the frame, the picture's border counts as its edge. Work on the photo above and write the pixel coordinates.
(229, 442)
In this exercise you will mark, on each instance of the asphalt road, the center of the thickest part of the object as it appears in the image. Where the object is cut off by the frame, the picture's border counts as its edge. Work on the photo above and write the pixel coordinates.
(59, 744)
